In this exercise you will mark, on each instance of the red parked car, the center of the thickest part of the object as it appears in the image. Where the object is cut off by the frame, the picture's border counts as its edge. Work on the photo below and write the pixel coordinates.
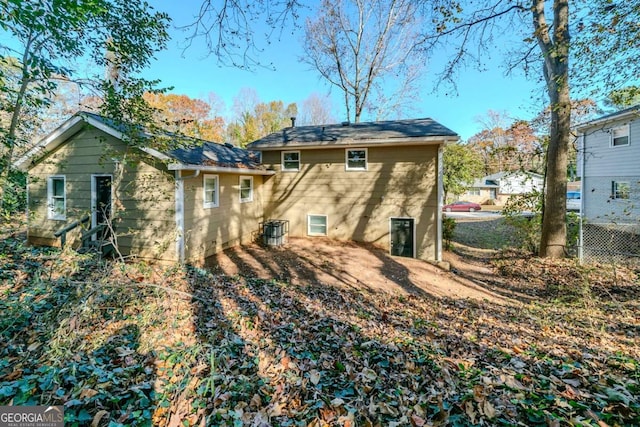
(461, 207)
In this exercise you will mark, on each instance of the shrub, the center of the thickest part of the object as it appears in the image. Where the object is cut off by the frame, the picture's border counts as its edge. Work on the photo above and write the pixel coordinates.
(448, 227)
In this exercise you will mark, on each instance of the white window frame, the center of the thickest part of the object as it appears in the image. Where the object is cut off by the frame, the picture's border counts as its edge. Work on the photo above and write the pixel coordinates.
(326, 225)
(346, 159)
(623, 133)
(282, 161)
(250, 197)
(51, 213)
(216, 202)
(615, 192)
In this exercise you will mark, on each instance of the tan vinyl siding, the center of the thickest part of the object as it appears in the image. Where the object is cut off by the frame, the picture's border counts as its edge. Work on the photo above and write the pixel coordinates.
(143, 195)
(209, 230)
(398, 182)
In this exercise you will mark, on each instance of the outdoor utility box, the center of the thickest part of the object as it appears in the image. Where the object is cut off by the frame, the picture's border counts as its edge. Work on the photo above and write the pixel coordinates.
(274, 231)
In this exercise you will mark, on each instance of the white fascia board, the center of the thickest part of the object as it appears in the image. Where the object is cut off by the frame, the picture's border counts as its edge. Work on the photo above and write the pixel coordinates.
(50, 142)
(219, 169)
(635, 113)
(157, 154)
(104, 127)
(384, 142)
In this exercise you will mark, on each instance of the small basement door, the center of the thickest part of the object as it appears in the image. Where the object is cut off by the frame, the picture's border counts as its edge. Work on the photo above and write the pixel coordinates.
(402, 235)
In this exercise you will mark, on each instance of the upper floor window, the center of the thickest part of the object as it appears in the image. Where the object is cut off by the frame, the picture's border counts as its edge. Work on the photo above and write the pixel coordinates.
(246, 189)
(620, 189)
(290, 160)
(620, 136)
(356, 159)
(56, 198)
(210, 191)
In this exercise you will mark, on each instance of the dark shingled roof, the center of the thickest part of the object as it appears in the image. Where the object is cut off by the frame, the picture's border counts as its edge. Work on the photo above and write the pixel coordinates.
(354, 133)
(197, 152)
(213, 154)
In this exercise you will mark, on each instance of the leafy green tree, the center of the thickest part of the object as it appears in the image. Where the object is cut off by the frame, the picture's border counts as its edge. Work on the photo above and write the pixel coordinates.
(44, 38)
(256, 119)
(461, 167)
(625, 97)
(188, 116)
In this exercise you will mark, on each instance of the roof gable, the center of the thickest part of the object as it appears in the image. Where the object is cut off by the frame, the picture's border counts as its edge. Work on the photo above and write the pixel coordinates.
(195, 154)
(59, 136)
(627, 113)
(420, 131)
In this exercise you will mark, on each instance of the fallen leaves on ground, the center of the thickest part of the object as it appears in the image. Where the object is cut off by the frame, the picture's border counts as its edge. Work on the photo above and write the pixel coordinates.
(133, 344)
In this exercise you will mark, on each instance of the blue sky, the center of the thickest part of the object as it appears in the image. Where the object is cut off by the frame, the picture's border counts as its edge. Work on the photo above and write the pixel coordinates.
(193, 73)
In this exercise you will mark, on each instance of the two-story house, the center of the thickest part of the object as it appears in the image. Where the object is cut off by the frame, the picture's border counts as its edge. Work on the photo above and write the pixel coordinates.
(609, 166)
(378, 182)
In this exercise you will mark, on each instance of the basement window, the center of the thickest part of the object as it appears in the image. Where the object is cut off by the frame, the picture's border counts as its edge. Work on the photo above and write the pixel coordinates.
(317, 225)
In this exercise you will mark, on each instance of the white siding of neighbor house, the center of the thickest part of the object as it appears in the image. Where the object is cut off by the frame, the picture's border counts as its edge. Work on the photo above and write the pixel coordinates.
(602, 164)
(601, 159)
(519, 184)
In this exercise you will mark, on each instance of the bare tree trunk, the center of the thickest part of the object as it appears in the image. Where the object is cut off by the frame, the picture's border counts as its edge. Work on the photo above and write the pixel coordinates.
(555, 49)
(6, 161)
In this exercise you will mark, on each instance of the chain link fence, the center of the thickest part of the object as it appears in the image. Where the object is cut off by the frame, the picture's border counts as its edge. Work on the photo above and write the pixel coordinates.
(608, 242)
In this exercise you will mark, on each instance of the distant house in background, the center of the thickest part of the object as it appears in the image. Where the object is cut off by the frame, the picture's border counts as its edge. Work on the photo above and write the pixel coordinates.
(377, 182)
(609, 166)
(496, 188)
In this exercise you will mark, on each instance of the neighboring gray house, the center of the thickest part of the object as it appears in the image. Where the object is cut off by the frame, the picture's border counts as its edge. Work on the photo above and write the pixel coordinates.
(498, 187)
(609, 165)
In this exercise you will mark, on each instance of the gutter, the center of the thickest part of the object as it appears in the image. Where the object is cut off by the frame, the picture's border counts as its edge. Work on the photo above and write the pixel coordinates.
(436, 140)
(611, 118)
(220, 169)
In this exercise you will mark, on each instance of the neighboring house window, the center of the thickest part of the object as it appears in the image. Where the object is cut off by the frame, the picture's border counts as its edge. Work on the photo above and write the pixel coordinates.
(290, 160)
(473, 192)
(317, 225)
(246, 189)
(57, 198)
(620, 190)
(356, 159)
(210, 190)
(620, 136)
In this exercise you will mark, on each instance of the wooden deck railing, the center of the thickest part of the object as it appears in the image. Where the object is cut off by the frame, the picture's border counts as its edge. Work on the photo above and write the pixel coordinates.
(62, 233)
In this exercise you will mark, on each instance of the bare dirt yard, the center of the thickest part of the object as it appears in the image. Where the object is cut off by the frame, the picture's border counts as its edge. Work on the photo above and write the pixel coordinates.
(354, 266)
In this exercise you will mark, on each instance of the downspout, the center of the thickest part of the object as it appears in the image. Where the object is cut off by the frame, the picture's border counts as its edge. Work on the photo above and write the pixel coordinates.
(179, 215)
(439, 209)
(582, 151)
